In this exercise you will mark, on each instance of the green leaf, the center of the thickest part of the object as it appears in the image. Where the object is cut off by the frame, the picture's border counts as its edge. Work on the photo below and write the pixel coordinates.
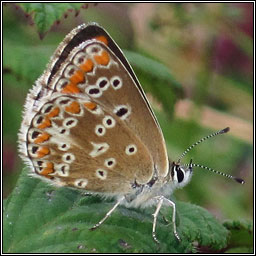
(45, 14)
(36, 59)
(241, 236)
(156, 79)
(39, 218)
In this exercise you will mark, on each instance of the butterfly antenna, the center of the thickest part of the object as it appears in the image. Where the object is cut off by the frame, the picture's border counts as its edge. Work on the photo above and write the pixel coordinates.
(201, 140)
(239, 180)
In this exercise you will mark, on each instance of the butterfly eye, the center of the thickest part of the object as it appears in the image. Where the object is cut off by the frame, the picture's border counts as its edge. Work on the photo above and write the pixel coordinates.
(180, 175)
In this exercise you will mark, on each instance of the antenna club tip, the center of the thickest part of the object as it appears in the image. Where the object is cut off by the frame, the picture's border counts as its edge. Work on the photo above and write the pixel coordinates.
(239, 180)
(227, 129)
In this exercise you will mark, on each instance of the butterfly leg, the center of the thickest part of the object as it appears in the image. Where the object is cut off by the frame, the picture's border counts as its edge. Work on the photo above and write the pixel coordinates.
(160, 200)
(108, 214)
(171, 203)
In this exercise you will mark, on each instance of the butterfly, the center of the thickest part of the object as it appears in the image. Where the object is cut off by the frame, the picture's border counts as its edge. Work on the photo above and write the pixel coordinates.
(88, 125)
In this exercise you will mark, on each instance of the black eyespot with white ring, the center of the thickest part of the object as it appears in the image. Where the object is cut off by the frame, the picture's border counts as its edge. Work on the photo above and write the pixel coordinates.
(70, 71)
(47, 108)
(63, 146)
(93, 49)
(122, 111)
(93, 91)
(68, 158)
(79, 58)
(70, 122)
(131, 149)
(80, 183)
(110, 162)
(63, 170)
(61, 84)
(102, 83)
(38, 120)
(116, 82)
(100, 130)
(101, 173)
(109, 122)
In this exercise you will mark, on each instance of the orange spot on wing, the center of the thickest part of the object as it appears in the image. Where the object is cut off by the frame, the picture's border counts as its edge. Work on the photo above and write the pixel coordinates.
(47, 170)
(42, 138)
(78, 77)
(90, 105)
(54, 112)
(87, 66)
(74, 107)
(45, 123)
(103, 39)
(43, 151)
(102, 59)
(70, 88)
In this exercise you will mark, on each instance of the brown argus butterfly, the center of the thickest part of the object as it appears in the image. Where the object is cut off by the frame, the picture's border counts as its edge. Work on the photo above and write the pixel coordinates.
(88, 124)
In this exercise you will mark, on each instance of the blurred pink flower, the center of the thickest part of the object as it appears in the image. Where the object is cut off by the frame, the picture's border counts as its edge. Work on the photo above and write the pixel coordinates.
(228, 56)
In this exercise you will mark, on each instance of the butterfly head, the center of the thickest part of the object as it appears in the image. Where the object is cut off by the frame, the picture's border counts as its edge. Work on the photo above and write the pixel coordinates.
(180, 174)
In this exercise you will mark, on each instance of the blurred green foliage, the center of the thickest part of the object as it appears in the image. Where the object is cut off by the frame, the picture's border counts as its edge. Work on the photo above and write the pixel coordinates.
(205, 47)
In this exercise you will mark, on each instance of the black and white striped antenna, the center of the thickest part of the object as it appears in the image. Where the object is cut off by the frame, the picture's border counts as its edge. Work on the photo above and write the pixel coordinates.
(191, 165)
(201, 140)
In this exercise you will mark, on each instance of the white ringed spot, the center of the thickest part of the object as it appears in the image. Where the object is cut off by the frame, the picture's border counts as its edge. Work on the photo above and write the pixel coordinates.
(70, 122)
(70, 71)
(61, 83)
(116, 82)
(79, 58)
(100, 130)
(102, 83)
(122, 111)
(63, 131)
(68, 158)
(98, 149)
(63, 146)
(93, 91)
(47, 108)
(101, 173)
(63, 101)
(109, 122)
(63, 170)
(93, 49)
(131, 149)
(38, 120)
(80, 183)
(110, 162)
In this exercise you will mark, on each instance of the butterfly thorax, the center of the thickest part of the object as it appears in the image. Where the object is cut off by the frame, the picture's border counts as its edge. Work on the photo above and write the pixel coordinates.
(143, 195)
